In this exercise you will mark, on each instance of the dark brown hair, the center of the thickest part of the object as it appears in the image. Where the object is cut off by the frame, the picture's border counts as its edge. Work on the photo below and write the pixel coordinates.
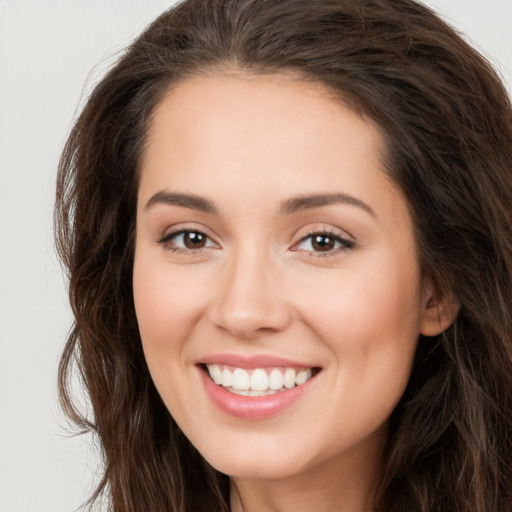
(447, 125)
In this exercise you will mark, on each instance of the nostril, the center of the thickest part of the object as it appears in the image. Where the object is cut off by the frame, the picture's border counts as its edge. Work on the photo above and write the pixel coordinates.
(250, 321)
(248, 302)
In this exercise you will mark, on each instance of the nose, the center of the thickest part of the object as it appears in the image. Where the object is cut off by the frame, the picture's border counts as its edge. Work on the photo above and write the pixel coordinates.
(250, 299)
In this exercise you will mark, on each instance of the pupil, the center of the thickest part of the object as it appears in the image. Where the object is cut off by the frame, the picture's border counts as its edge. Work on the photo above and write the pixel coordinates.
(323, 243)
(194, 240)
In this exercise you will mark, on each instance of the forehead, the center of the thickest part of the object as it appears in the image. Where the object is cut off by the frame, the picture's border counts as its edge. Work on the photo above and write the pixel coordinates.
(252, 124)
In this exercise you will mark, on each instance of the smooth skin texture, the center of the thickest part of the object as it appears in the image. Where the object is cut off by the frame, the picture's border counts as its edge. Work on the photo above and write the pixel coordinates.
(250, 269)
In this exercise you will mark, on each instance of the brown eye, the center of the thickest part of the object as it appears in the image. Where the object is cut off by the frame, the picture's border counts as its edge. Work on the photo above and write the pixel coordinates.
(323, 243)
(186, 241)
(194, 240)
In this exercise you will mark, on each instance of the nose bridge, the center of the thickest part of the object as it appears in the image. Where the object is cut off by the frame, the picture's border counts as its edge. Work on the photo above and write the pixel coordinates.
(249, 301)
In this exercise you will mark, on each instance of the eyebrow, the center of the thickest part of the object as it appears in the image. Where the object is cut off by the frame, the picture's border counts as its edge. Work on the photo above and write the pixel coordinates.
(311, 201)
(292, 205)
(186, 200)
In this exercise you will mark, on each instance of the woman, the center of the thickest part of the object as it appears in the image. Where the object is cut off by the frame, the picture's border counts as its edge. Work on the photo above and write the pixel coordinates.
(288, 233)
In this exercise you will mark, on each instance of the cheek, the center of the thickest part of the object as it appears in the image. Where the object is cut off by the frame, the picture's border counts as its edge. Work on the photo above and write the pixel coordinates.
(361, 304)
(370, 319)
(167, 305)
(370, 323)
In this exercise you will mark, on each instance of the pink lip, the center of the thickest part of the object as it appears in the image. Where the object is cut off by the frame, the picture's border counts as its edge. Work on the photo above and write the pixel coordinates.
(253, 407)
(255, 361)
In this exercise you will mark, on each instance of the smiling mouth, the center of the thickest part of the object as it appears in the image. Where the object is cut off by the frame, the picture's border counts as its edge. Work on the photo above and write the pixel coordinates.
(258, 381)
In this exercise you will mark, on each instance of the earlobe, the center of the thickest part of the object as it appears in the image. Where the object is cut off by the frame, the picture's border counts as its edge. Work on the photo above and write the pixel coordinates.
(438, 315)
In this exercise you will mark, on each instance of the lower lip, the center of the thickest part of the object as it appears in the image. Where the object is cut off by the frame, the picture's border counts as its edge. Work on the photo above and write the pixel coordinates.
(252, 407)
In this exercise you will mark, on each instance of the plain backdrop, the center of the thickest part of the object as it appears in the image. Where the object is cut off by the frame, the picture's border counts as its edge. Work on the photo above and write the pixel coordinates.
(51, 54)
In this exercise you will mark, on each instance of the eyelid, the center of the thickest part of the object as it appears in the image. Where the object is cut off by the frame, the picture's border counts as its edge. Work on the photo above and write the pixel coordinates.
(347, 242)
(174, 231)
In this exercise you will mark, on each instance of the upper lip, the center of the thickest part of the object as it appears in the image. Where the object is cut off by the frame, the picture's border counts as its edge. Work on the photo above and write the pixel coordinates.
(253, 361)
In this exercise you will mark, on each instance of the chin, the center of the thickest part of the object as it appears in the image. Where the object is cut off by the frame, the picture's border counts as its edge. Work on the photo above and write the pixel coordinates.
(259, 468)
(257, 460)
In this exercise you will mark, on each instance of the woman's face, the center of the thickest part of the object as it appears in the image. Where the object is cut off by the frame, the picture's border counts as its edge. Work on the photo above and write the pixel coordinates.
(274, 252)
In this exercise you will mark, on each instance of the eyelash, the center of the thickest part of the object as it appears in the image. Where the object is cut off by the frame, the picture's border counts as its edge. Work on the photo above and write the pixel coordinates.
(344, 243)
(167, 239)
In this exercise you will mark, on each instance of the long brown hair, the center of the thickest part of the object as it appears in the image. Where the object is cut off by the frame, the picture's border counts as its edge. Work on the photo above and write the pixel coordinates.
(447, 124)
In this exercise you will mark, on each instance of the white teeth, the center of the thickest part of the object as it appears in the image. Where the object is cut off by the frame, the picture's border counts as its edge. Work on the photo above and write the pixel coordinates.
(252, 393)
(258, 382)
(215, 373)
(275, 379)
(227, 378)
(289, 378)
(241, 380)
(303, 376)
(242, 392)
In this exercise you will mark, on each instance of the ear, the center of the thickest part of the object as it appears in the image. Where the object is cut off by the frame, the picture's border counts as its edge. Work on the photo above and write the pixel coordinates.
(438, 314)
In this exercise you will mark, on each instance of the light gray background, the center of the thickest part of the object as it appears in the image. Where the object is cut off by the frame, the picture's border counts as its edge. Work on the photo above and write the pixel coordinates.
(47, 52)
